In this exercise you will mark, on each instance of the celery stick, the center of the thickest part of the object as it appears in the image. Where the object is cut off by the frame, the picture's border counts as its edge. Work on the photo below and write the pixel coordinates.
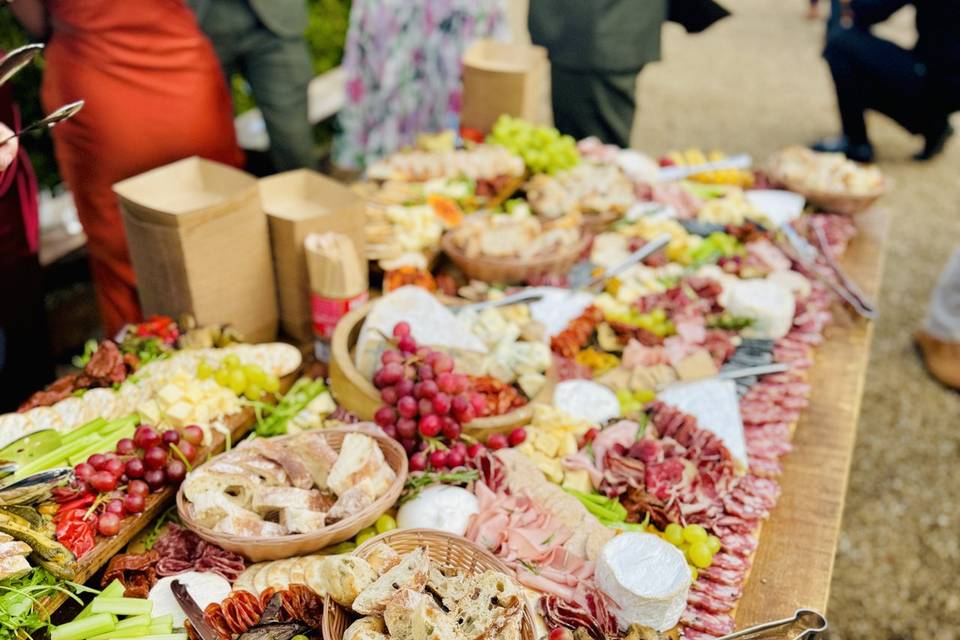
(164, 636)
(113, 590)
(129, 632)
(135, 621)
(100, 445)
(55, 457)
(166, 618)
(159, 629)
(122, 606)
(93, 426)
(84, 628)
(120, 424)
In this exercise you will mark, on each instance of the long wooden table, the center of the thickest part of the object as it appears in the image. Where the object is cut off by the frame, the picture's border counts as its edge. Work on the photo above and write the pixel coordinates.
(794, 562)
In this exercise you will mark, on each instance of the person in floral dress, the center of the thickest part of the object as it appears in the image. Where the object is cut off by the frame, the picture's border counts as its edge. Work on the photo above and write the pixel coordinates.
(403, 63)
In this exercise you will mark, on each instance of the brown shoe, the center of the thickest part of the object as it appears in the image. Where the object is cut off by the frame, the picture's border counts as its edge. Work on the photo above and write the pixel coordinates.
(942, 358)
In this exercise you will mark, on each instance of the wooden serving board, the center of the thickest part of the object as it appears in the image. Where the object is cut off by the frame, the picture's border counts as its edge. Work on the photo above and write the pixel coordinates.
(91, 562)
(794, 561)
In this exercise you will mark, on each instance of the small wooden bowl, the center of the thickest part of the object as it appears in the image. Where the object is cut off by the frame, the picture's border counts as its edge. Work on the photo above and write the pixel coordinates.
(444, 549)
(258, 549)
(515, 270)
(356, 394)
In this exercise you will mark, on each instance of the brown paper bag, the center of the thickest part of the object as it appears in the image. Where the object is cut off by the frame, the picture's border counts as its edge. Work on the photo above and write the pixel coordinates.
(299, 203)
(198, 242)
(338, 279)
(500, 77)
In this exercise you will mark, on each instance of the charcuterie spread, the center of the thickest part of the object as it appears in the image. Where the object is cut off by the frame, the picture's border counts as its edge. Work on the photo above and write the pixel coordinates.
(582, 447)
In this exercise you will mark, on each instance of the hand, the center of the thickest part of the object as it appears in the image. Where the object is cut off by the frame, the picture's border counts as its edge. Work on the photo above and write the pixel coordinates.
(9, 149)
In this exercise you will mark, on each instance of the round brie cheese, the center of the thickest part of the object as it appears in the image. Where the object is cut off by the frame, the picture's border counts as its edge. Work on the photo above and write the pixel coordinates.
(587, 401)
(646, 577)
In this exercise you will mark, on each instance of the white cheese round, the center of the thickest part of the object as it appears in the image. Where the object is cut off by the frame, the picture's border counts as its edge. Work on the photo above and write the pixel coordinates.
(769, 304)
(586, 400)
(646, 577)
(204, 587)
(439, 507)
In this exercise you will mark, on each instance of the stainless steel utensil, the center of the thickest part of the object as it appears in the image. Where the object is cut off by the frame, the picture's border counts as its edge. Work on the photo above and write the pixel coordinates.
(840, 284)
(669, 174)
(525, 295)
(645, 251)
(193, 612)
(65, 112)
(805, 623)
(17, 59)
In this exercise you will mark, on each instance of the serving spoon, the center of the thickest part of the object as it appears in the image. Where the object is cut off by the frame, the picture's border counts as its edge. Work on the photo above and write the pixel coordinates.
(17, 59)
(65, 112)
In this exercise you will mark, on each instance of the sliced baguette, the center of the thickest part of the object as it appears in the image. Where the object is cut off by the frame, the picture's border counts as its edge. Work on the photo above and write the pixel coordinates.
(341, 577)
(410, 615)
(368, 628)
(410, 573)
(492, 608)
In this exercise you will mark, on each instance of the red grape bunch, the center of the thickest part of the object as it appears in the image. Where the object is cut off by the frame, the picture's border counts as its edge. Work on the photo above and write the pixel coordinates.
(426, 403)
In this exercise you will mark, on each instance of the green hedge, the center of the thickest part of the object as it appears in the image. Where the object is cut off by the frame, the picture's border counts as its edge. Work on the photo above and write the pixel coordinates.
(326, 32)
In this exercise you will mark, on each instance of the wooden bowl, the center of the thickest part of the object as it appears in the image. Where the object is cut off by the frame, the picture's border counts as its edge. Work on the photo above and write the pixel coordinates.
(514, 270)
(356, 394)
(444, 549)
(258, 549)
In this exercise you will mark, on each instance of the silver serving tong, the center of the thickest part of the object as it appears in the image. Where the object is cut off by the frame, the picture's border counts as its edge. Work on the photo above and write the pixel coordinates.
(17, 59)
(637, 256)
(65, 112)
(805, 623)
(842, 285)
(524, 295)
(733, 374)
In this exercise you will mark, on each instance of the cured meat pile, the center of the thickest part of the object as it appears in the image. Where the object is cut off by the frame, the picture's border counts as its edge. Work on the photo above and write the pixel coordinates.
(182, 550)
(176, 551)
(241, 611)
(106, 367)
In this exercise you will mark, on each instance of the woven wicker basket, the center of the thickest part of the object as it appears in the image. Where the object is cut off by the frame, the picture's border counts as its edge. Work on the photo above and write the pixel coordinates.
(829, 201)
(258, 549)
(444, 549)
(356, 394)
(515, 270)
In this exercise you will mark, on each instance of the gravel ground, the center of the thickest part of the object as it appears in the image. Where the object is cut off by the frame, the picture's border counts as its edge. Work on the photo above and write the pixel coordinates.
(755, 83)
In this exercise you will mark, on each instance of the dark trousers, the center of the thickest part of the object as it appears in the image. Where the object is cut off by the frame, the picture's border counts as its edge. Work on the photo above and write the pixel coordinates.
(872, 73)
(594, 103)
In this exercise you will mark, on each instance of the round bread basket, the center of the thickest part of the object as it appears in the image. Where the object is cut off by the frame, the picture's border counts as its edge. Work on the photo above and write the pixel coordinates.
(258, 549)
(515, 270)
(830, 201)
(444, 549)
(358, 395)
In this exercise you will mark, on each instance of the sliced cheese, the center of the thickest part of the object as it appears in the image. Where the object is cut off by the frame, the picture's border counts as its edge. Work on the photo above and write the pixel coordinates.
(646, 577)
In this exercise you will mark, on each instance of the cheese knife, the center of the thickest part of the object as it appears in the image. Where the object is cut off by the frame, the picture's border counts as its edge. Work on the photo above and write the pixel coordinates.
(193, 612)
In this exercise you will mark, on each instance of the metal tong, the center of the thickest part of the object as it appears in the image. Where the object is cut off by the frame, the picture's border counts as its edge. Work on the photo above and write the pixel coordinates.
(806, 623)
(524, 295)
(57, 116)
(840, 284)
(645, 251)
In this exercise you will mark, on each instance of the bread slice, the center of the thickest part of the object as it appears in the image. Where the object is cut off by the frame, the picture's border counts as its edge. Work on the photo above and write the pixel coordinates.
(410, 615)
(341, 577)
(492, 608)
(368, 628)
(382, 558)
(448, 586)
(410, 573)
(278, 574)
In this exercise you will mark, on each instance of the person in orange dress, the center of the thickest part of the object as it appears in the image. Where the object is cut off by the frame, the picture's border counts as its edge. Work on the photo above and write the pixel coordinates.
(154, 94)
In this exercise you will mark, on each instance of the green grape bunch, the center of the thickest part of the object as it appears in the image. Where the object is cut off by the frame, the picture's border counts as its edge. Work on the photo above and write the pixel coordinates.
(543, 149)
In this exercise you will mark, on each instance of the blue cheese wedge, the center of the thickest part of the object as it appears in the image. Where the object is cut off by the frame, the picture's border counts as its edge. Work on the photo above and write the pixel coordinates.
(646, 577)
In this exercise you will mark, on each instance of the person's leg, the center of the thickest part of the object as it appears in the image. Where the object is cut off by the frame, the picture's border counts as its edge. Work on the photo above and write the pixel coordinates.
(616, 97)
(594, 104)
(279, 70)
(848, 82)
(225, 22)
(939, 341)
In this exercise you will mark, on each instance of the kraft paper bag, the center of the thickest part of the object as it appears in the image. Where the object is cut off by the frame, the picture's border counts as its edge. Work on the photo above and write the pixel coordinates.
(297, 204)
(199, 244)
(500, 77)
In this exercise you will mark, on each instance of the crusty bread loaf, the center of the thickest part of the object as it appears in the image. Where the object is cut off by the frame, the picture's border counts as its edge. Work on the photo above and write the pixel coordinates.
(410, 573)
(382, 558)
(368, 628)
(341, 577)
(492, 608)
(411, 615)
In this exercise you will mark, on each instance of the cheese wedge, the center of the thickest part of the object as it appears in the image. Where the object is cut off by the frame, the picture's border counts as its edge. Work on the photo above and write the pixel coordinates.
(646, 577)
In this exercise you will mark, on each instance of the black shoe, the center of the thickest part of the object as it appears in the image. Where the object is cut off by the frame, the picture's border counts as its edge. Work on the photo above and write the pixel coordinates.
(862, 152)
(934, 144)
